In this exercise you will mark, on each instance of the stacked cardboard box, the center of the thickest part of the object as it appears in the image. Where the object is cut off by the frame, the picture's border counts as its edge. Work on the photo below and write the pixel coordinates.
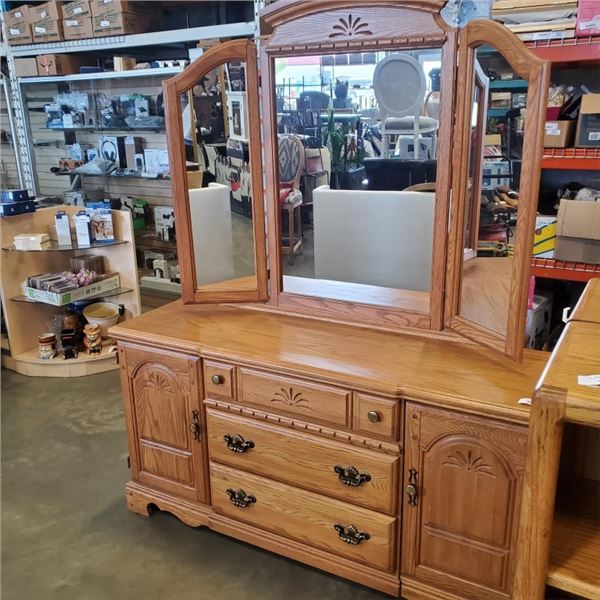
(18, 29)
(578, 231)
(46, 22)
(537, 19)
(77, 20)
(119, 17)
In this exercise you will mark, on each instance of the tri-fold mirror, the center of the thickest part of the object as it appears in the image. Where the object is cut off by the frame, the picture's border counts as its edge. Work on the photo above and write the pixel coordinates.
(398, 192)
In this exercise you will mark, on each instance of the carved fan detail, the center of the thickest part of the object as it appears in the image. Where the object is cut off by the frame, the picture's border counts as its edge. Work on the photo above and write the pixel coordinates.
(289, 398)
(469, 462)
(350, 27)
(159, 382)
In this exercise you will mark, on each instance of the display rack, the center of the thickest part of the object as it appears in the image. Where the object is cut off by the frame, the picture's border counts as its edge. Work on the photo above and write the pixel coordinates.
(25, 320)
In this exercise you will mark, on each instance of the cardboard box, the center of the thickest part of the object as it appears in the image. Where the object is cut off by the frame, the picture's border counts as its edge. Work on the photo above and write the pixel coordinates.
(26, 67)
(133, 146)
(544, 239)
(17, 15)
(112, 282)
(117, 23)
(79, 8)
(588, 124)
(578, 231)
(19, 33)
(101, 7)
(76, 28)
(61, 64)
(493, 139)
(124, 63)
(537, 328)
(43, 12)
(500, 99)
(588, 18)
(47, 31)
(559, 134)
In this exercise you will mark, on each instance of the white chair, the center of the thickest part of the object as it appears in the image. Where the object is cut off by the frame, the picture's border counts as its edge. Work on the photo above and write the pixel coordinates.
(399, 84)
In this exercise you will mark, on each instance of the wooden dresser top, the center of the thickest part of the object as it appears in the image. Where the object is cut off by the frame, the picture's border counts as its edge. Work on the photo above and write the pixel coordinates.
(419, 367)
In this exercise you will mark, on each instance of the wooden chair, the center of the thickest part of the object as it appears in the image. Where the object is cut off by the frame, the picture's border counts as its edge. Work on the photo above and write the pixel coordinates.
(291, 167)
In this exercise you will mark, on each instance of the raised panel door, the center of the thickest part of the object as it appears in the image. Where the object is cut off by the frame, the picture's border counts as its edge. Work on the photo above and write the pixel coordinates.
(166, 430)
(460, 517)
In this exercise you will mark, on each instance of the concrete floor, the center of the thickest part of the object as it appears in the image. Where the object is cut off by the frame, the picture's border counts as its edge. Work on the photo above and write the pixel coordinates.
(66, 532)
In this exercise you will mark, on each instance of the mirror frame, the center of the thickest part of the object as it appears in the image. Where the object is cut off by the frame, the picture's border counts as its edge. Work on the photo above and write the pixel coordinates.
(537, 72)
(317, 27)
(235, 50)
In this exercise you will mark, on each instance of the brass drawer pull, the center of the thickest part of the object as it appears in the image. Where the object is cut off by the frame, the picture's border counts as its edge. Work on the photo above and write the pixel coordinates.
(195, 425)
(412, 491)
(218, 379)
(350, 534)
(373, 416)
(236, 443)
(350, 476)
(239, 498)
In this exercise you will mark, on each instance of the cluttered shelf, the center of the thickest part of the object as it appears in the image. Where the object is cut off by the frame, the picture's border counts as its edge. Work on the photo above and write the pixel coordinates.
(116, 175)
(586, 48)
(565, 270)
(106, 294)
(53, 246)
(580, 159)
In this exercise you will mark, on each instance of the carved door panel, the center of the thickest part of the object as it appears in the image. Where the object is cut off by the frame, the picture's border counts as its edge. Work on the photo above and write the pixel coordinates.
(462, 489)
(165, 425)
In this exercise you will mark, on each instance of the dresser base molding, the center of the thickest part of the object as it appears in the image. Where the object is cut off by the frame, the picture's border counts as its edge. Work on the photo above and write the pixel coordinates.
(416, 590)
(140, 499)
(384, 582)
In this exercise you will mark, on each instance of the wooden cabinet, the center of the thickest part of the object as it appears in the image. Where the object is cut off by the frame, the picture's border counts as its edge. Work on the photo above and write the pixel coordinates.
(164, 420)
(462, 483)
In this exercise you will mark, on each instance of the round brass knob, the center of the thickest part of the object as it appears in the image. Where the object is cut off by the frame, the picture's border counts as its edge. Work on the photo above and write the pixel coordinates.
(217, 379)
(373, 416)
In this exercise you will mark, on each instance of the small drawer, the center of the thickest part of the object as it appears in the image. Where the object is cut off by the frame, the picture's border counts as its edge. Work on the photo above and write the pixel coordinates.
(305, 516)
(275, 393)
(374, 415)
(218, 380)
(352, 474)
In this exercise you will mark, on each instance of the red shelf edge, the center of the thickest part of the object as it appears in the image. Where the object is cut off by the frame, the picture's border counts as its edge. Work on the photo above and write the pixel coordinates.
(571, 163)
(549, 268)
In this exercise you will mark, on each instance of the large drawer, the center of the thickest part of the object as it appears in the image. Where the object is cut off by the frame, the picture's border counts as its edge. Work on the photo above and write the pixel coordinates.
(305, 460)
(295, 396)
(305, 516)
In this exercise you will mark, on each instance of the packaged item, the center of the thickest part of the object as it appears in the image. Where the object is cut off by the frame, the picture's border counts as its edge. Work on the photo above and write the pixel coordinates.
(578, 231)
(88, 262)
(31, 241)
(112, 148)
(156, 161)
(9, 209)
(559, 134)
(164, 219)
(47, 31)
(83, 229)
(16, 15)
(133, 147)
(117, 23)
(101, 222)
(124, 63)
(26, 67)
(537, 328)
(77, 9)
(101, 7)
(544, 239)
(500, 99)
(19, 33)
(61, 64)
(588, 18)
(76, 28)
(63, 229)
(588, 124)
(43, 12)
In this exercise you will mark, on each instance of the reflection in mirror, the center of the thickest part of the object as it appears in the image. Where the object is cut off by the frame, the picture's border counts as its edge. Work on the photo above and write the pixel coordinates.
(495, 152)
(357, 137)
(215, 130)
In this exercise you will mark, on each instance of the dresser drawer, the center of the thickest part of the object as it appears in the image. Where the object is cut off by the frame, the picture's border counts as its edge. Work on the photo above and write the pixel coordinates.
(374, 415)
(305, 460)
(305, 516)
(218, 380)
(295, 396)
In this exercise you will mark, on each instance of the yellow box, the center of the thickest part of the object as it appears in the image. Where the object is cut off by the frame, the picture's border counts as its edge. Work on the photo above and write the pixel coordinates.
(544, 240)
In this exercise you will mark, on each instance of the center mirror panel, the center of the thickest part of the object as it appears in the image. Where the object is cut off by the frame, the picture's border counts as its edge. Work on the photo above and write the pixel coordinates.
(357, 145)
(215, 149)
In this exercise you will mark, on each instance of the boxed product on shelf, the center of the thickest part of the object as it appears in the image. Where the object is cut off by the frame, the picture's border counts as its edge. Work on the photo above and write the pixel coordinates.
(588, 124)
(109, 283)
(500, 99)
(16, 15)
(544, 239)
(124, 63)
(31, 241)
(588, 18)
(156, 160)
(61, 64)
(101, 7)
(495, 173)
(19, 33)
(537, 328)
(79, 8)
(63, 228)
(47, 31)
(559, 134)
(101, 222)
(133, 146)
(83, 229)
(164, 220)
(42, 12)
(578, 231)
(120, 23)
(26, 67)
(87, 262)
(151, 255)
(10, 209)
(76, 28)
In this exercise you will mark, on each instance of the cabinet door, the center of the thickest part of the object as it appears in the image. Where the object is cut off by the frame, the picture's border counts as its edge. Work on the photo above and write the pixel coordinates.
(459, 518)
(213, 130)
(164, 421)
(489, 250)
